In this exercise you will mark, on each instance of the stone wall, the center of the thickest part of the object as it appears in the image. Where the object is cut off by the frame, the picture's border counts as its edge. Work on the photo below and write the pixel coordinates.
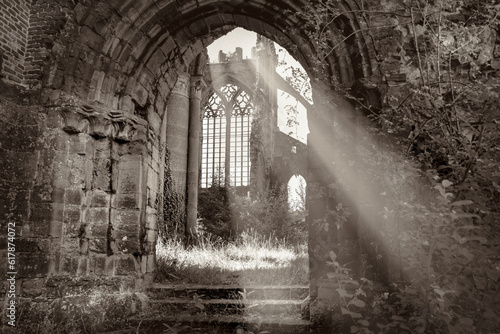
(76, 187)
(81, 147)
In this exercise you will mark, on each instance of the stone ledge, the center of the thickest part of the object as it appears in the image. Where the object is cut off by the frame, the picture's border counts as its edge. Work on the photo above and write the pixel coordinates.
(98, 123)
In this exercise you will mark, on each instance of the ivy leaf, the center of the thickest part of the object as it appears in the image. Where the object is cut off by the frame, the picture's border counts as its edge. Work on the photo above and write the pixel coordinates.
(353, 315)
(446, 183)
(357, 302)
(344, 294)
(363, 322)
(440, 292)
(460, 203)
(482, 240)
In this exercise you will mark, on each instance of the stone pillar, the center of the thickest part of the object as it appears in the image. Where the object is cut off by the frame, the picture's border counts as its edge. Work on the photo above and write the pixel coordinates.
(177, 130)
(177, 149)
(193, 155)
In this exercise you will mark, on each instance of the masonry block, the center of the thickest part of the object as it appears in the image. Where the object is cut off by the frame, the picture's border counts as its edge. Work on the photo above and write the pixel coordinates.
(99, 229)
(125, 265)
(152, 179)
(37, 229)
(100, 198)
(18, 166)
(97, 265)
(98, 244)
(69, 265)
(91, 39)
(130, 175)
(32, 265)
(25, 245)
(56, 229)
(126, 224)
(72, 221)
(73, 196)
(32, 288)
(83, 266)
(101, 176)
(126, 201)
(14, 204)
(79, 172)
(78, 144)
(109, 266)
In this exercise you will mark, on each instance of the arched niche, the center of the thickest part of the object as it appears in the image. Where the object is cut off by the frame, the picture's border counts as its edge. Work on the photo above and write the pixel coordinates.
(296, 189)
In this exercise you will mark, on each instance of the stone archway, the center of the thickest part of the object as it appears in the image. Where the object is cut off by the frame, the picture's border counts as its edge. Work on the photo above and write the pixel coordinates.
(98, 86)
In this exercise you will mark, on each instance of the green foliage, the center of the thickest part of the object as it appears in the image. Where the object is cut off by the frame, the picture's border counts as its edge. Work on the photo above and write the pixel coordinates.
(438, 215)
(249, 259)
(214, 211)
(226, 214)
(172, 212)
(269, 214)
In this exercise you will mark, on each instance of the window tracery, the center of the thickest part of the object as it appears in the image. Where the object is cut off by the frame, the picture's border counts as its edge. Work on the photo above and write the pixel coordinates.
(227, 118)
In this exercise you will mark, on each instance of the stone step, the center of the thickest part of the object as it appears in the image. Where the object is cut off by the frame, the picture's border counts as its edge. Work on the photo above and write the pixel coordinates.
(260, 292)
(256, 307)
(202, 324)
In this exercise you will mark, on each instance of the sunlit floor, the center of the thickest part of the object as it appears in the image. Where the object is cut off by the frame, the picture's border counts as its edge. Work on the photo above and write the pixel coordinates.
(252, 259)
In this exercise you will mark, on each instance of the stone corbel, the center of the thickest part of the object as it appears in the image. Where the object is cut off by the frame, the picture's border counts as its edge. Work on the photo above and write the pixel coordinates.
(100, 127)
(115, 124)
(74, 120)
(125, 128)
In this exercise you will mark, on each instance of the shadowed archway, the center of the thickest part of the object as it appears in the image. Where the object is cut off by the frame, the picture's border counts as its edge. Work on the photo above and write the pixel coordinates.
(111, 87)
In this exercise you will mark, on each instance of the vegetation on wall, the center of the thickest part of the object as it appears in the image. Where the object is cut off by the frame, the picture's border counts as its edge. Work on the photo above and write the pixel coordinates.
(225, 214)
(439, 176)
(172, 215)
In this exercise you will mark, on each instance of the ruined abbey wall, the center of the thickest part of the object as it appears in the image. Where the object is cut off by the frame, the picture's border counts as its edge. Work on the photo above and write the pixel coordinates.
(84, 108)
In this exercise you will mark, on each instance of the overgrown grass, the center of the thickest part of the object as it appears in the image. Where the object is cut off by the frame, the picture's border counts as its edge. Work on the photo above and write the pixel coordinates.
(250, 259)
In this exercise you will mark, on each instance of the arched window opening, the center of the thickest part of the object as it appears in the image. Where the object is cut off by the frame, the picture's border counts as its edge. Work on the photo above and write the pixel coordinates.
(227, 122)
(297, 193)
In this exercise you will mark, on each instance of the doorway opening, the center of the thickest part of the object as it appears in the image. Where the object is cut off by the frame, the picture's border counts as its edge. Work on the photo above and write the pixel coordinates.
(247, 232)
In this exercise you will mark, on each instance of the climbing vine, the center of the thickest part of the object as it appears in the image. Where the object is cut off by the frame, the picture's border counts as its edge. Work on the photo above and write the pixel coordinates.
(440, 182)
(171, 223)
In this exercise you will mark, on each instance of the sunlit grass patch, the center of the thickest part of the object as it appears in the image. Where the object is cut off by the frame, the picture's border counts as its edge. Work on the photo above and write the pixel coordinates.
(251, 259)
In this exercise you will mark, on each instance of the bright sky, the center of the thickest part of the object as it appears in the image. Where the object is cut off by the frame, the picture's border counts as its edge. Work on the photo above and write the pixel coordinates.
(245, 39)
(238, 37)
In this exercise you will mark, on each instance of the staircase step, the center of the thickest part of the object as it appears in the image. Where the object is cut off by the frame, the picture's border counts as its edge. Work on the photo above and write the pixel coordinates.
(228, 306)
(201, 324)
(261, 292)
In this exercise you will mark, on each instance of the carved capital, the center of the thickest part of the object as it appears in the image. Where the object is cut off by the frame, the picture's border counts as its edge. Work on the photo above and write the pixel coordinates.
(181, 85)
(74, 120)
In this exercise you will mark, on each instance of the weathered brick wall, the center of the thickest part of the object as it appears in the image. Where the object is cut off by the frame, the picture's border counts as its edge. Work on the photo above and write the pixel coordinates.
(14, 24)
(46, 22)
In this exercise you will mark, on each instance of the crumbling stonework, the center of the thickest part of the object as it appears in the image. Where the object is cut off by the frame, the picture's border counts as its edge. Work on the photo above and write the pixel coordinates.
(85, 94)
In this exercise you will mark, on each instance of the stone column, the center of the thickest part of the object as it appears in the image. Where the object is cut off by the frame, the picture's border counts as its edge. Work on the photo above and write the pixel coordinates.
(177, 149)
(193, 155)
(177, 129)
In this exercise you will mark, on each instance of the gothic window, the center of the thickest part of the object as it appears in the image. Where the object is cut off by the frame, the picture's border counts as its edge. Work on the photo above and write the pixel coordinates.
(226, 137)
